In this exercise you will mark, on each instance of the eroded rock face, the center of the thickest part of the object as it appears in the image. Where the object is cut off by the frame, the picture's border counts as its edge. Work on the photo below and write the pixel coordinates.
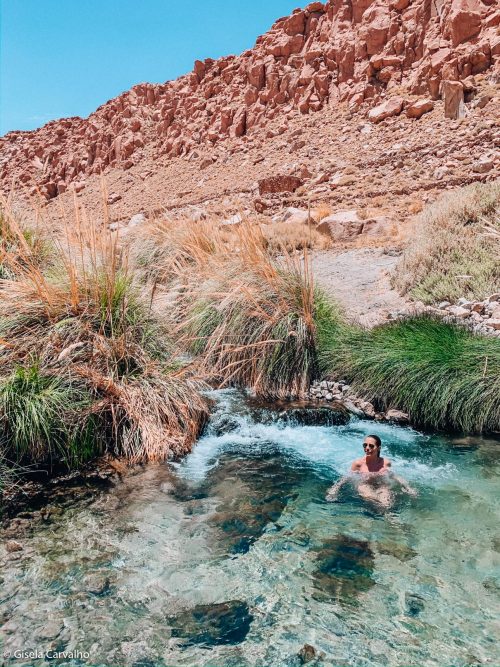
(356, 52)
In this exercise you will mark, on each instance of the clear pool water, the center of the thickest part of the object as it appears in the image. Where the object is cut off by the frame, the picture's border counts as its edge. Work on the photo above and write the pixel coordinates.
(233, 558)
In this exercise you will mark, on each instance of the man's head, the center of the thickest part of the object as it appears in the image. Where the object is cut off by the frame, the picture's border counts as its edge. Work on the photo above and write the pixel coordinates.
(372, 444)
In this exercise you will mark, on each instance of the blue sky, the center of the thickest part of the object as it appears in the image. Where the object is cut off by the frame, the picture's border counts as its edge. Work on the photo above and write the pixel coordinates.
(67, 57)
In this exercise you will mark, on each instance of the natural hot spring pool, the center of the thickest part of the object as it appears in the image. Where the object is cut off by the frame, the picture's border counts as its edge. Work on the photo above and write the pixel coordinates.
(232, 557)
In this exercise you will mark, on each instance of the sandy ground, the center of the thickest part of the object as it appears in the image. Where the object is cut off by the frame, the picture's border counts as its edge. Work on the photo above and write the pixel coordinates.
(359, 279)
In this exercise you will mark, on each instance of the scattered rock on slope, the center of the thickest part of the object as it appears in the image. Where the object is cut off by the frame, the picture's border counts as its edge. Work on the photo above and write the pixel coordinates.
(358, 52)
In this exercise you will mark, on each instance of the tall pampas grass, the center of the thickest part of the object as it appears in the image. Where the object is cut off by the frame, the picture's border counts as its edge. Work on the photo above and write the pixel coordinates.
(251, 319)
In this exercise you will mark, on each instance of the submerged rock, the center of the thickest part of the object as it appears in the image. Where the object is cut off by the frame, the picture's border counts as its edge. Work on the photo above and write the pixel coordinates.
(397, 550)
(414, 604)
(345, 569)
(11, 546)
(98, 584)
(253, 493)
(213, 624)
(309, 654)
(220, 424)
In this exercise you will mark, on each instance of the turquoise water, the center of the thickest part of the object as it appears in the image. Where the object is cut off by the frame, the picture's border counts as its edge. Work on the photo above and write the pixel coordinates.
(233, 558)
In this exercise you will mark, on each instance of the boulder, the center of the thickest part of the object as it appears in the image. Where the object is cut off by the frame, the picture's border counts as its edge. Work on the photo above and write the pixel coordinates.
(391, 107)
(481, 101)
(453, 96)
(232, 221)
(280, 183)
(291, 215)
(307, 654)
(260, 205)
(418, 108)
(397, 416)
(113, 197)
(458, 312)
(137, 219)
(378, 227)
(483, 165)
(341, 226)
(12, 546)
(79, 186)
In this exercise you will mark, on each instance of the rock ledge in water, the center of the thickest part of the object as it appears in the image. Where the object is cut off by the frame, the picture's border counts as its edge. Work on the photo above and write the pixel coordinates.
(301, 413)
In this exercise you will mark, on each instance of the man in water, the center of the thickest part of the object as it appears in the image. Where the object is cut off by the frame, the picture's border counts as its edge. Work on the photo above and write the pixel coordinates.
(374, 475)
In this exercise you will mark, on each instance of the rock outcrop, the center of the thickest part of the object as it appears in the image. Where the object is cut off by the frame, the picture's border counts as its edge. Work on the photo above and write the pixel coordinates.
(358, 52)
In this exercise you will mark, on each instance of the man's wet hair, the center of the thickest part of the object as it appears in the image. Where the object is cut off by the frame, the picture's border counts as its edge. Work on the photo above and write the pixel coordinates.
(378, 441)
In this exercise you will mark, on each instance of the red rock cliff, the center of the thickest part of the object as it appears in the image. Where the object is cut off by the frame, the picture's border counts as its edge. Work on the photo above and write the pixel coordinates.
(352, 51)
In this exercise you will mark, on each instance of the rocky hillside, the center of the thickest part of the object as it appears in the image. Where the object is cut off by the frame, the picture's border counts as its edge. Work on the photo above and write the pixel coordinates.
(373, 58)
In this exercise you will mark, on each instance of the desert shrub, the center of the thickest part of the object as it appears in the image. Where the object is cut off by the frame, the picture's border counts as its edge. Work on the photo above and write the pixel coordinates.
(20, 246)
(159, 249)
(441, 373)
(454, 252)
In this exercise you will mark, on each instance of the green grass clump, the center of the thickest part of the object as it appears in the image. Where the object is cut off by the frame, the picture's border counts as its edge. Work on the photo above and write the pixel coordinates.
(454, 251)
(39, 418)
(441, 373)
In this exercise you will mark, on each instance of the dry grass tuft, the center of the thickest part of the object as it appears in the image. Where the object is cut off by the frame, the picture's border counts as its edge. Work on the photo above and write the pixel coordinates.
(290, 236)
(454, 249)
(321, 211)
(415, 206)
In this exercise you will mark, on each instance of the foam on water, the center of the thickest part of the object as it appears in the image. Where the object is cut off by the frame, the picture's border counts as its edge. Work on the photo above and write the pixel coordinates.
(331, 449)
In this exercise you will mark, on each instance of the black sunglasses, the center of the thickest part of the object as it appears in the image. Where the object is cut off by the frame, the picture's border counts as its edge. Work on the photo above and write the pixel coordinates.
(367, 445)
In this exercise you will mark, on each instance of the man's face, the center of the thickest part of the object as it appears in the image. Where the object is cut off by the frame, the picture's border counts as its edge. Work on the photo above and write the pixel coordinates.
(370, 446)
